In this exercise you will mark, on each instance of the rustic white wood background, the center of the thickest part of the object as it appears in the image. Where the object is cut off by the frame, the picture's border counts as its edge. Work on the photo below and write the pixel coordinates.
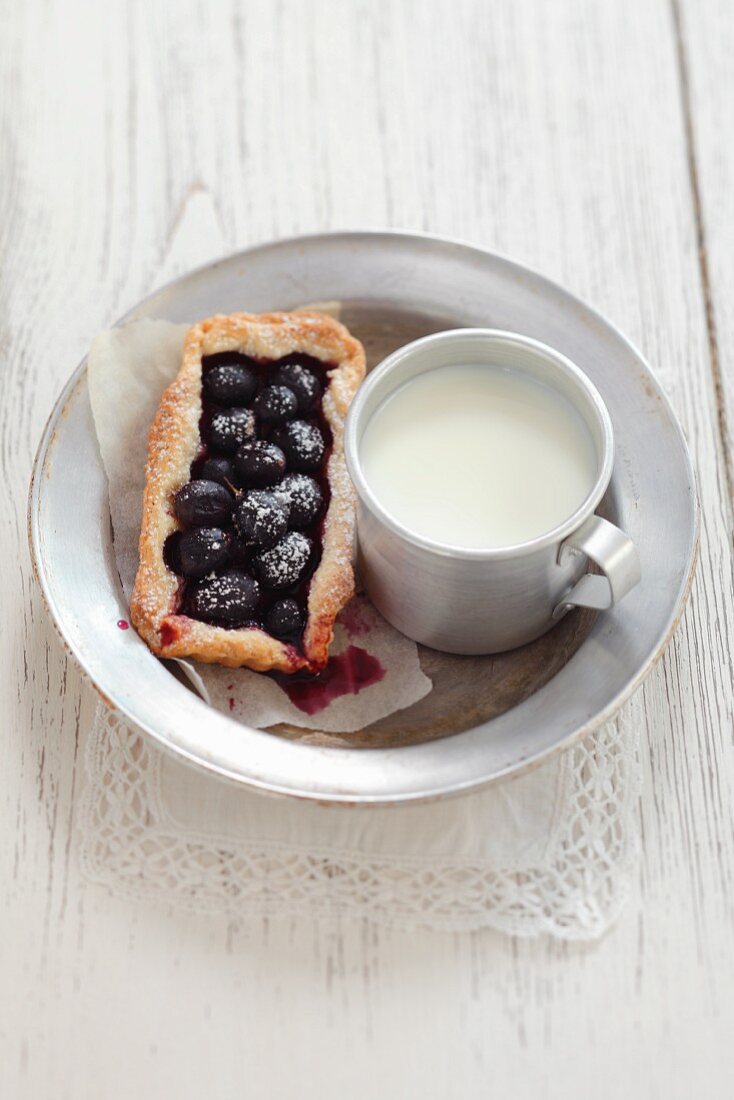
(592, 140)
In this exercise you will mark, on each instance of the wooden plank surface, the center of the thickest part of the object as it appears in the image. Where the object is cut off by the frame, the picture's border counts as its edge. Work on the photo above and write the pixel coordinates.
(589, 140)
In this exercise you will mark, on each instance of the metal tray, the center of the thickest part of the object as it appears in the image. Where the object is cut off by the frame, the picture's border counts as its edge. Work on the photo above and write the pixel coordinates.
(487, 717)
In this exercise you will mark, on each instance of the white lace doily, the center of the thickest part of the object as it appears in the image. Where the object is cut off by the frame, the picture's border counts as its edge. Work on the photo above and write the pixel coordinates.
(550, 852)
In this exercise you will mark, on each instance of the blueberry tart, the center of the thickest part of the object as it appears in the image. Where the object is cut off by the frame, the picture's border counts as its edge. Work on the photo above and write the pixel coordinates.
(248, 514)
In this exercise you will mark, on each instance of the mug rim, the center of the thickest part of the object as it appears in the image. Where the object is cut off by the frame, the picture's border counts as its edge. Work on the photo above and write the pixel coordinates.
(494, 336)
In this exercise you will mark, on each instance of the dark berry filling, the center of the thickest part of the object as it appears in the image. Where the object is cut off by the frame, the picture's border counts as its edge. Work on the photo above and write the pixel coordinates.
(276, 404)
(226, 600)
(261, 518)
(283, 565)
(252, 513)
(296, 373)
(231, 383)
(230, 428)
(203, 550)
(302, 443)
(305, 498)
(284, 618)
(203, 503)
(217, 469)
(259, 464)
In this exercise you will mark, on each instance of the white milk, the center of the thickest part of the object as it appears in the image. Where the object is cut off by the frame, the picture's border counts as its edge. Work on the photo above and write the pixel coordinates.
(478, 456)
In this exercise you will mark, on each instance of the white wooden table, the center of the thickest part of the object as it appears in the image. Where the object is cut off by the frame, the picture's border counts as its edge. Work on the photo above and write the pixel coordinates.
(591, 140)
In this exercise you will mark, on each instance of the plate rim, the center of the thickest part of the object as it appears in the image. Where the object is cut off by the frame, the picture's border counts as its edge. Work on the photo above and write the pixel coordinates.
(352, 798)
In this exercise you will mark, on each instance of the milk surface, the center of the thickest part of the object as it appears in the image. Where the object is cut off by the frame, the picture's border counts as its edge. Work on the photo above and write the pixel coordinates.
(477, 456)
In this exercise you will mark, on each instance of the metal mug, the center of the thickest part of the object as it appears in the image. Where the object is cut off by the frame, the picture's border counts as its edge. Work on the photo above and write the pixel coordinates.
(475, 601)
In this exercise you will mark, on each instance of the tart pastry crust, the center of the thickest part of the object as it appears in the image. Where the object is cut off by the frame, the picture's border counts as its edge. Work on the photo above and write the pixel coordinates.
(173, 444)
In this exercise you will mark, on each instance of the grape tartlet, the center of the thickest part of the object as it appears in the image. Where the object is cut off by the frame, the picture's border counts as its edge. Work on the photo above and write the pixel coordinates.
(247, 535)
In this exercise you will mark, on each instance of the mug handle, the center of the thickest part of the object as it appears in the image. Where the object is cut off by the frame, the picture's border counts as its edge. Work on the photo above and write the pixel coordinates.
(614, 553)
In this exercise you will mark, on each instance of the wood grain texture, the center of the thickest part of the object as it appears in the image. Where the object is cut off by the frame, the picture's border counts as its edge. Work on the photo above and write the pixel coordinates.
(705, 43)
(589, 140)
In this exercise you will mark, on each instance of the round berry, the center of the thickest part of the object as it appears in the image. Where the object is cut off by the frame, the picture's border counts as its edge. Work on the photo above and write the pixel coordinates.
(231, 428)
(259, 464)
(202, 551)
(218, 469)
(230, 383)
(203, 503)
(261, 518)
(284, 617)
(229, 600)
(276, 404)
(302, 443)
(304, 384)
(171, 555)
(285, 563)
(305, 498)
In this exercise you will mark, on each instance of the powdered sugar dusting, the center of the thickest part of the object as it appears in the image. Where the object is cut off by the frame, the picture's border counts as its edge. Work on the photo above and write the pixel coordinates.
(261, 516)
(305, 440)
(223, 597)
(286, 561)
(235, 425)
(229, 373)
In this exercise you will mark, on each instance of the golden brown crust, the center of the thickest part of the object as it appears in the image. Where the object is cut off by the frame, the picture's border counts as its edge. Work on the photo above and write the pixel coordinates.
(173, 444)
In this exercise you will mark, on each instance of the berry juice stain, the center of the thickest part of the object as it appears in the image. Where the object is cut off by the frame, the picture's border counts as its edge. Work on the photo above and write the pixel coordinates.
(123, 624)
(346, 674)
(352, 618)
